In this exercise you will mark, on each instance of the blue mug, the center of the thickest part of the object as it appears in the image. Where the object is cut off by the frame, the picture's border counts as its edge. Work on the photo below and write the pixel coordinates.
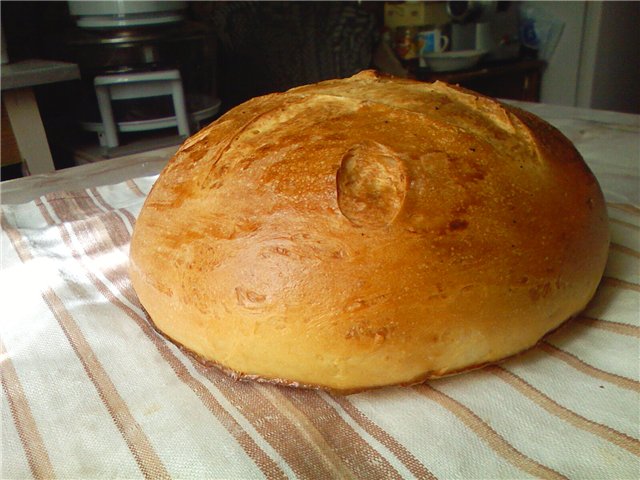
(431, 41)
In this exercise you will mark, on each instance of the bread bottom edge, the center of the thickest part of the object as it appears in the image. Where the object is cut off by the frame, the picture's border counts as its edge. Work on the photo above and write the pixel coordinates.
(422, 378)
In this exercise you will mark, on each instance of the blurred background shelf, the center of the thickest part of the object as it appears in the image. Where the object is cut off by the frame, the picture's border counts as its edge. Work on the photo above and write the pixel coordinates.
(515, 80)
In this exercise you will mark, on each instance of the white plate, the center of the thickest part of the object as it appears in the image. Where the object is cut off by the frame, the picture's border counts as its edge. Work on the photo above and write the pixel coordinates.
(452, 61)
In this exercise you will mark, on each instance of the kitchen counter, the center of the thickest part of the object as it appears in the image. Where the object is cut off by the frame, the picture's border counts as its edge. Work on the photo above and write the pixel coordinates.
(90, 390)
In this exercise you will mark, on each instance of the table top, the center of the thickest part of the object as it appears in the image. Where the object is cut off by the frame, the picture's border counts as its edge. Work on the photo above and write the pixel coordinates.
(90, 390)
(104, 172)
(30, 73)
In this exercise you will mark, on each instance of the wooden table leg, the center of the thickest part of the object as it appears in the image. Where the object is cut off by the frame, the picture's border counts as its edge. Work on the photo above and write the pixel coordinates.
(24, 115)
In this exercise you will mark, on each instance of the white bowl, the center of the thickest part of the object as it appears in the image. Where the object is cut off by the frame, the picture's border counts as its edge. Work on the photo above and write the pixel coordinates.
(452, 61)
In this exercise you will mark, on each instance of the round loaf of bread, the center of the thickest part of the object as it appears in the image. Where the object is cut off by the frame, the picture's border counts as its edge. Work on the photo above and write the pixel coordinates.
(368, 231)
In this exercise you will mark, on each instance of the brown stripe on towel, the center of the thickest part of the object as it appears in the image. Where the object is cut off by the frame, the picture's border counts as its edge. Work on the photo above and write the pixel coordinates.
(123, 211)
(492, 438)
(399, 450)
(95, 232)
(133, 186)
(625, 207)
(30, 438)
(98, 233)
(581, 366)
(72, 209)
(607, 433)
(615, 327)
(39, 202)
(354, 451)
(287, 438)
(617, 283)
(70, 206)
(624, 224)
(622, 249)
(279, 397)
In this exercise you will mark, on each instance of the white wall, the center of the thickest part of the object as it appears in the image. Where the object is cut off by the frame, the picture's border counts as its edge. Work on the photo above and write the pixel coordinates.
(560, 79)
(596, 63)
(616, 73)
(592, 21)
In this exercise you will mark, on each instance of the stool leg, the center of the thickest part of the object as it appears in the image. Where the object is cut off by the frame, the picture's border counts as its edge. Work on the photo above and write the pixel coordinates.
(24, 115)
(180, 108)
(106, 112)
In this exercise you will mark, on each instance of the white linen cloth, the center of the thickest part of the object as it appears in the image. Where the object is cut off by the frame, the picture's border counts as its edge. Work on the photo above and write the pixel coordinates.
(90, 390)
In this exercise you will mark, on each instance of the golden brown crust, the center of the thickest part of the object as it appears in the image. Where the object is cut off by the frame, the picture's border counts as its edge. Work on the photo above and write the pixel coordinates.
(369, 231)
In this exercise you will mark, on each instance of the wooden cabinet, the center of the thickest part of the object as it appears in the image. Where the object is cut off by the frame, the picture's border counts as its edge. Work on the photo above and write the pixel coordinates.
(516, 80)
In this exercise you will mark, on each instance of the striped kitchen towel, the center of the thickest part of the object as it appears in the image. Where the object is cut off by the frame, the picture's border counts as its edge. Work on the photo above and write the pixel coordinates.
(90, 390)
